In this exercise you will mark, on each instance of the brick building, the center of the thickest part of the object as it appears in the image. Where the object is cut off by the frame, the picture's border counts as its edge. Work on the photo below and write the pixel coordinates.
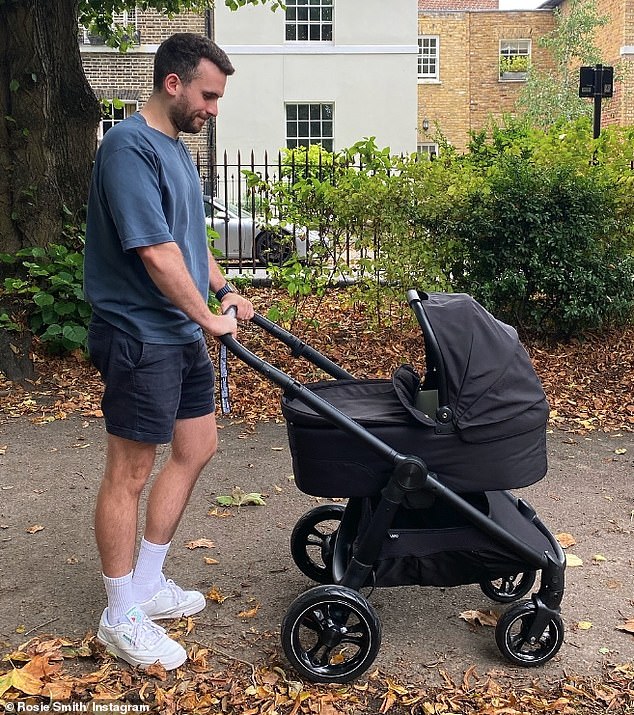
(616, 41)
(127, 77)
(473, 66)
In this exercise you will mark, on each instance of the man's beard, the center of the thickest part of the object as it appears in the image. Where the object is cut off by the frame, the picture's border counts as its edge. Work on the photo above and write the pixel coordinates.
(182, 118)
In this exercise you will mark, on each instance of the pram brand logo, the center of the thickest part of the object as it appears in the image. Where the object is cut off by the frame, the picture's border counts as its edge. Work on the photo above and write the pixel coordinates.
(393, 535)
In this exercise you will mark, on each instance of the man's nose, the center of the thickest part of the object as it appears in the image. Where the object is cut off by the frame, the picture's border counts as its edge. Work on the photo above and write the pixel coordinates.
(212, 108)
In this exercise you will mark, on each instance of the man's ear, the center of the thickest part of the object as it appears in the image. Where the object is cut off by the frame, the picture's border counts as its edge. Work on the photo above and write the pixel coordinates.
(171, 83)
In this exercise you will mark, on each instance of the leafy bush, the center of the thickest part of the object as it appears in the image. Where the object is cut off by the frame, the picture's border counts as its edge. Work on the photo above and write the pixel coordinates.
(543, 236)
(49, 282)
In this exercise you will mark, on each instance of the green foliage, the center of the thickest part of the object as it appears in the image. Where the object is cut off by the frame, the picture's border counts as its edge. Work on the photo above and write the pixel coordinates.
(97, 15)
(537, 225)
(514, 63)
(49, 281)
(541, 234)
(364, 202)
(551, 96)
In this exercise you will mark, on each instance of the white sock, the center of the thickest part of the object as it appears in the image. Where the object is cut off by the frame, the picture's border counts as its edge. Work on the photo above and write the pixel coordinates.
(147, 579)
(120, 598)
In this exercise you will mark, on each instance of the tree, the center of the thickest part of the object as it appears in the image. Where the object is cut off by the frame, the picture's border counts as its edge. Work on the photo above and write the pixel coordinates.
(552, 95)
(48, 111)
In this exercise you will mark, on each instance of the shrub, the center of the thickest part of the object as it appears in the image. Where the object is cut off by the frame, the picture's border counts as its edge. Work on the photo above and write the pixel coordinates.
(48, 282)
(543, 239)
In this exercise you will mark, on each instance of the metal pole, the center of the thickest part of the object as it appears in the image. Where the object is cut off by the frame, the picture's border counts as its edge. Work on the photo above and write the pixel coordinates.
(598, 92)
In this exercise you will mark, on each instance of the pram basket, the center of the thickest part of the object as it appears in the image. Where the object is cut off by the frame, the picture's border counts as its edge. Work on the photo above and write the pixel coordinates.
(426, 466)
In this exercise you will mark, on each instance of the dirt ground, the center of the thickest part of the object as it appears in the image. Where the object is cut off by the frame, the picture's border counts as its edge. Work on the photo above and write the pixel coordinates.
(50, 576)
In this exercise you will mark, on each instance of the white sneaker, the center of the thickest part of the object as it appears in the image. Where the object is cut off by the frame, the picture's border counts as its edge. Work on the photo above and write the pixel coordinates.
(139, 641)
(172, 602)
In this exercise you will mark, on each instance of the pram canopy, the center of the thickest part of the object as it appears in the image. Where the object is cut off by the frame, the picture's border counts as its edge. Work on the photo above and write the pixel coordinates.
(491, 386)
(494, 437)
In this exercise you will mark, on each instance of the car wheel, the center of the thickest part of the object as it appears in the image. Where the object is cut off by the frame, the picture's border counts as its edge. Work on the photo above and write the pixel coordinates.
(271, 249)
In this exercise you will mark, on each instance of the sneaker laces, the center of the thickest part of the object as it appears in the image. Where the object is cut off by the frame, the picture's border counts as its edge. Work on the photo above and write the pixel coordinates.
(176, 592)
(146, 633)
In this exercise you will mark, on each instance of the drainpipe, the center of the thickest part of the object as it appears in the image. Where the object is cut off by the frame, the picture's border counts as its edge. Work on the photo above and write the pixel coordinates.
(211, 126)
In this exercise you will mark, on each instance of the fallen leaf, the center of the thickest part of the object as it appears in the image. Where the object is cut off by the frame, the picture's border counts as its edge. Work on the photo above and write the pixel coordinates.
(251, 613)
(480, 618)
(215, 595)
(157, 671)
(210, 562)
(599, 557)
(627, 625)
(220, 513)
(622, 450)
(584, 625)
(239, 498)
(572, 560)
(34, 529)
(200, 544)
(565, 540)
(3, 448)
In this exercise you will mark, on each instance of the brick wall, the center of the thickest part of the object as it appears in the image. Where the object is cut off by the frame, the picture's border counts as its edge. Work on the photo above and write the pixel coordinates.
(617, 33)
(128, 76)
(469, 90)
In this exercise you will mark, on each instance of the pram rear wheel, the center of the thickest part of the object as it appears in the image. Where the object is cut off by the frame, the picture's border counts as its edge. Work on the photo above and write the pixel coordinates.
(511, 636)
(509, 588)
(331, 634)
(313, 541)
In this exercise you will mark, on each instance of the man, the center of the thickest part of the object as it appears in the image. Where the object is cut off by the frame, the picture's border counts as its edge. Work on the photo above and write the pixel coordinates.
(148, 271)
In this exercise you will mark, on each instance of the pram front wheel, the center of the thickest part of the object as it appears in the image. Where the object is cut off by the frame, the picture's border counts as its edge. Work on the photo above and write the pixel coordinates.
(313, 541)
(331, 634)
(512, 636)
(509, 588)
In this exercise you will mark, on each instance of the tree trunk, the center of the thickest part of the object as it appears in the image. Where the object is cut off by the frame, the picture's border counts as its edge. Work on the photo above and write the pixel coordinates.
(48, 117)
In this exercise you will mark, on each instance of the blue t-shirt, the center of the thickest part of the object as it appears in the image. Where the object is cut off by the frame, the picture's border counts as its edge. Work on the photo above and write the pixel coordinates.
(145, 190)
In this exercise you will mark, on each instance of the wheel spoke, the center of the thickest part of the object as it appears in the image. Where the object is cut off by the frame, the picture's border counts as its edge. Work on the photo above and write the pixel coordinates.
(319, 654)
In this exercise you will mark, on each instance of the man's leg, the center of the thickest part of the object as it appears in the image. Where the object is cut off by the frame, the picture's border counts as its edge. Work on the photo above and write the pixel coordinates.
(194, 443)
(124, 629)
(128, 467)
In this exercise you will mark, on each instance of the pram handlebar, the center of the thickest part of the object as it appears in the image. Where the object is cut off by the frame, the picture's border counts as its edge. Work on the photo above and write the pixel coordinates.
(295, 389)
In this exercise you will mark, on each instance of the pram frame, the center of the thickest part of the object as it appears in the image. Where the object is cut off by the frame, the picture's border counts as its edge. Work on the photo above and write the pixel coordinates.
(410, 474)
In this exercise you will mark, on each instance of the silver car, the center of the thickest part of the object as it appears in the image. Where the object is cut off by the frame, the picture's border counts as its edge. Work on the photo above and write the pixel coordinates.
(242, 238)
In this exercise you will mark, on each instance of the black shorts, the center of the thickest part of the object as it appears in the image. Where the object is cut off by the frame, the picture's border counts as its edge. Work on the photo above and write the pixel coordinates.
(149, 386)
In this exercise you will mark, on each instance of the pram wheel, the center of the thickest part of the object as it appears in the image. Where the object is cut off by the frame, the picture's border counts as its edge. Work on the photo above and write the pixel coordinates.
(511, 636)
(331, 634)
(509, 588)
(313, 541)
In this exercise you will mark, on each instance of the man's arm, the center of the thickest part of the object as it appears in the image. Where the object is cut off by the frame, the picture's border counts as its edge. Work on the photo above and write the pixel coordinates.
(166, 267)
(218, 281)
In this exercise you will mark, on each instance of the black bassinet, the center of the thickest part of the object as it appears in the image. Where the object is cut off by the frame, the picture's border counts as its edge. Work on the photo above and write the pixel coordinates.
(486, 430)
(427, 468)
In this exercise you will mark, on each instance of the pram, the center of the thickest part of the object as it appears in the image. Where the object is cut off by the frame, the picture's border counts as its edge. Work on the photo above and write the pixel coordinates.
(425, 466)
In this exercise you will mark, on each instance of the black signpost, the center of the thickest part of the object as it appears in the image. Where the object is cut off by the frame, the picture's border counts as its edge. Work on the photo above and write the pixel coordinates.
(596, 82)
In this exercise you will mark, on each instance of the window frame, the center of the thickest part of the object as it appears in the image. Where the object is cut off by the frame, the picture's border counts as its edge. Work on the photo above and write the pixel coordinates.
(511, 52)
(435, 57)
(129, 107)
(312, 25)
(308, 138)
(427, 150)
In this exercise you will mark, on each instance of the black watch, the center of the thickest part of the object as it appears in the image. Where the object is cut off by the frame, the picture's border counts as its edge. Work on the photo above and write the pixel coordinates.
(225, 290)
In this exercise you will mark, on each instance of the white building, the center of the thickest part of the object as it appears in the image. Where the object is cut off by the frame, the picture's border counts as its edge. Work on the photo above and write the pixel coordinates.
(327, 72)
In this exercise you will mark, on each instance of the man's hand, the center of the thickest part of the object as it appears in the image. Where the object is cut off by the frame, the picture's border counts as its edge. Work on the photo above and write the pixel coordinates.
(222, 325)
(243, 306)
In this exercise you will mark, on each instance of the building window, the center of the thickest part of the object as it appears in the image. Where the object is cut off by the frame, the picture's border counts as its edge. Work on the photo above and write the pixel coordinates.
(309, 20)
(515, 59)
(308, 124)
(427, 150)
(114, 111)
(427, 57)
(126, 19)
